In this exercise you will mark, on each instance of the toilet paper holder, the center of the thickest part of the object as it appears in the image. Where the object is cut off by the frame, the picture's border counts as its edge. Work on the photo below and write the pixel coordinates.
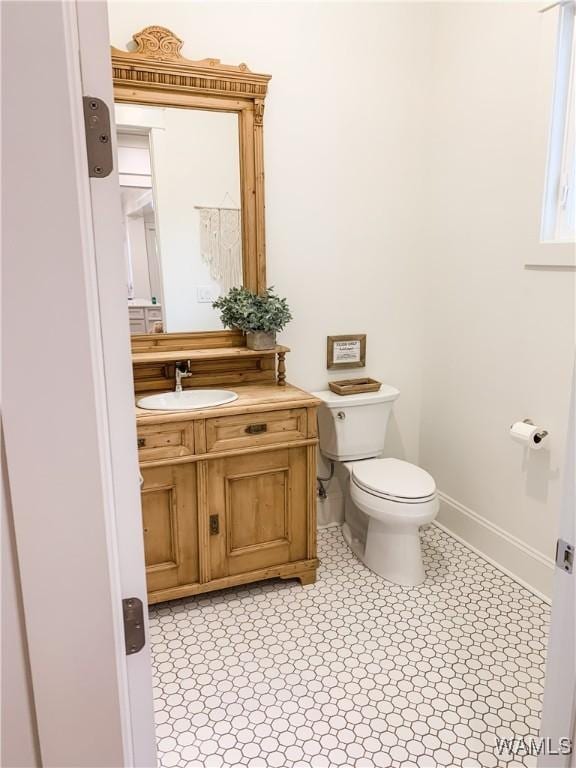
(539, 436)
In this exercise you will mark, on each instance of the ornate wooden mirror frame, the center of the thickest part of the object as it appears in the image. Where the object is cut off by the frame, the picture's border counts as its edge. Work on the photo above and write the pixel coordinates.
(157, 74)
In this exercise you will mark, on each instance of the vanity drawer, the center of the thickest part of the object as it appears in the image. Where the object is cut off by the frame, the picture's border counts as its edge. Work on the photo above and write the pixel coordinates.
(136, 313)
(165, 441)
(137, 326)
(252, 429)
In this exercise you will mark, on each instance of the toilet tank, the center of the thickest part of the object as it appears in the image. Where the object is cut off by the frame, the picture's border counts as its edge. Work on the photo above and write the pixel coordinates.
(354, 426)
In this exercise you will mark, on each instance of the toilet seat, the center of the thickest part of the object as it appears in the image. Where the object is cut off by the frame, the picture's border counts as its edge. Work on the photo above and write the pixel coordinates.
(394, 480)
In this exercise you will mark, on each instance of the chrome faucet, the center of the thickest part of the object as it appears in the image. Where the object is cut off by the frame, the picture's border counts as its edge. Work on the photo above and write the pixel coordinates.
(182, 371)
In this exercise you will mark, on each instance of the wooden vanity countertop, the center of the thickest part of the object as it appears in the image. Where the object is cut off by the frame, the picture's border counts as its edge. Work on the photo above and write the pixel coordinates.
(251, 398)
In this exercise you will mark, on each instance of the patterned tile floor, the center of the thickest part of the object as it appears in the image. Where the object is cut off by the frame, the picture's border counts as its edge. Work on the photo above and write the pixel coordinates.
(352, 671)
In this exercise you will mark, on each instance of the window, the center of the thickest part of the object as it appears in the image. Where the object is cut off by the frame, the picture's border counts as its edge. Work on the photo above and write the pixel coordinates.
(558, 217)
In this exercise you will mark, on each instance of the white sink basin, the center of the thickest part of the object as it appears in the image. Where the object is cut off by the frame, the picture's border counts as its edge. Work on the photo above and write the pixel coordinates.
(188, 400)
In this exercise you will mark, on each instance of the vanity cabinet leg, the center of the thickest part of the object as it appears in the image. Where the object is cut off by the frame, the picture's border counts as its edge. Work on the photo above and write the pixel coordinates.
(281, 369)
(308, 577)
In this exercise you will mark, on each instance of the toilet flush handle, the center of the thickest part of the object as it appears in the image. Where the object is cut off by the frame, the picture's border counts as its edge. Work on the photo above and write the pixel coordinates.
(341, 415)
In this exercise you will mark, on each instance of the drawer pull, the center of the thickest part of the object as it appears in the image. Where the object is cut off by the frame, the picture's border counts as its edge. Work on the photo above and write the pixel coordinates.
(141, 442)
(256, 429)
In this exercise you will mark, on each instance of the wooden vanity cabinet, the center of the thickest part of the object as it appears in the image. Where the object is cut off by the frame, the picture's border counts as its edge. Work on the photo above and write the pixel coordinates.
(228, 499)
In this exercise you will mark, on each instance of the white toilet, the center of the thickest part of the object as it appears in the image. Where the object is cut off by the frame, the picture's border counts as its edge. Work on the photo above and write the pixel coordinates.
(387, 500)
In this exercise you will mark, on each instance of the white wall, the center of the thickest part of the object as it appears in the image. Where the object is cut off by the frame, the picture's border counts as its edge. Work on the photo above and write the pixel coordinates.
(405, 147)
(498, 339)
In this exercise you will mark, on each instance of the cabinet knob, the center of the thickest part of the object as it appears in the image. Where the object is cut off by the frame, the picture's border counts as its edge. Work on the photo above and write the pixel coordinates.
(256, 429)
(141, 442)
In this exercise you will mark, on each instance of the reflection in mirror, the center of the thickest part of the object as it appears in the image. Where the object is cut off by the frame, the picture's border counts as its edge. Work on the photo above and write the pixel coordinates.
(179, 172)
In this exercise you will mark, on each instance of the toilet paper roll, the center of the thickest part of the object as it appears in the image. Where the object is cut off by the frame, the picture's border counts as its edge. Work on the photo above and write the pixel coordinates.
(529, 434)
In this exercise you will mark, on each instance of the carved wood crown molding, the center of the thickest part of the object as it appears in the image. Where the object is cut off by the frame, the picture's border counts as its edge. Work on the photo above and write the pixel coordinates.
(158, 62)
(158, 43)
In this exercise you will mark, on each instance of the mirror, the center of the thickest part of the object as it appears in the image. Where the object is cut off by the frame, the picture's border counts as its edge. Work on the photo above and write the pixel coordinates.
(191, 171)
(179, 172)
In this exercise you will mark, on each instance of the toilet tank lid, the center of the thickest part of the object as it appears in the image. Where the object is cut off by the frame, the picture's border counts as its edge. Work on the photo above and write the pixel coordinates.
(386, 393)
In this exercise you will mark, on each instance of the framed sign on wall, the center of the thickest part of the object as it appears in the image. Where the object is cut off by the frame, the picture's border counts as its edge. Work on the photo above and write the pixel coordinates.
(346, 351)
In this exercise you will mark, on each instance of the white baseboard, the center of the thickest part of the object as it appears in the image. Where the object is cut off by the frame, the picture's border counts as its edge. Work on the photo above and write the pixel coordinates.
(509, 554)
(325, 526)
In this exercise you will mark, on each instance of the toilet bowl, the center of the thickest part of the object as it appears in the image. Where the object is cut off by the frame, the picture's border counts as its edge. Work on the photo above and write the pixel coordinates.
(397, 498)
(387, 500)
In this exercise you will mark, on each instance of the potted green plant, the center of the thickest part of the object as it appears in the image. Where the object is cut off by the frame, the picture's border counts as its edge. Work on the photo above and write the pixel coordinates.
(260, 316)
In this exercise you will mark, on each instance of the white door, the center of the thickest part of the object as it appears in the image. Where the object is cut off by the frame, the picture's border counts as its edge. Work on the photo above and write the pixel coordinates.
(560, 692)
(68, 405)
(96, 74)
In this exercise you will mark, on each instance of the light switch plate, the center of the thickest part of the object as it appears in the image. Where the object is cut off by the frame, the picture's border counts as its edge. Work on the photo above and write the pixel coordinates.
(206, 294)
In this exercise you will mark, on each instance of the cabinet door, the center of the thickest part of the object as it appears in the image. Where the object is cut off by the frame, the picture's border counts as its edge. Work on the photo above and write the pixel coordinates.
(260, 501)
(170, 520)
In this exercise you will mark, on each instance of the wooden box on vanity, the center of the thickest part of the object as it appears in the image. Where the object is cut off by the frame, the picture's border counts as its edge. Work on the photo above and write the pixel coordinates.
(228, 493)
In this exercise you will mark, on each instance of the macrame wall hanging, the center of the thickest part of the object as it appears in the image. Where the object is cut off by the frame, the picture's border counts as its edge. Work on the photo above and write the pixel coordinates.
(221, 245)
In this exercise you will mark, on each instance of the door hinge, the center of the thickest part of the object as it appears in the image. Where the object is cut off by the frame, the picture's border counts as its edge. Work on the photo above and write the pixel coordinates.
(564, 556)
(134, 637)
(98, 139)
(214, 525)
